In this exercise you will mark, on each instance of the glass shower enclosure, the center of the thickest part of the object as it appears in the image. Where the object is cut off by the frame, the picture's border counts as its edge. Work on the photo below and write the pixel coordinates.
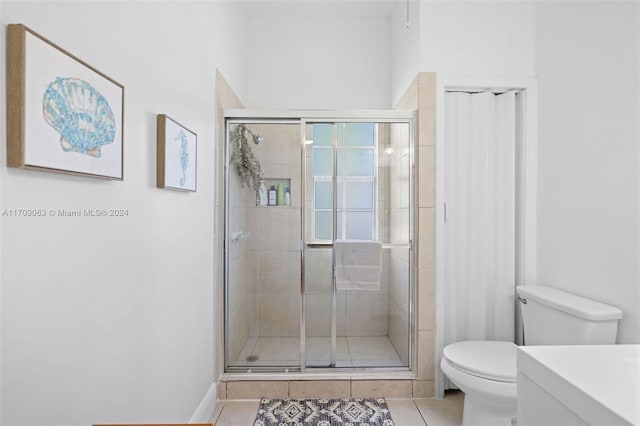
(318, 270)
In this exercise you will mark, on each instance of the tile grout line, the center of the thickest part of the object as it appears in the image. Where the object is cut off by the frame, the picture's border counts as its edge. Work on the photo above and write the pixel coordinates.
(214, 421)
(424, 420)
(346, 341)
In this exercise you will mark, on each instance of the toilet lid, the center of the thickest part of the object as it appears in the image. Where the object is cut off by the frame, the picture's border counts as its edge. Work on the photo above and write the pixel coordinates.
(487, 359)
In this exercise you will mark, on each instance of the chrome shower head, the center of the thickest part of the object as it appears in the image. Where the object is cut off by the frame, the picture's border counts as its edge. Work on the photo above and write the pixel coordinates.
(256, 137)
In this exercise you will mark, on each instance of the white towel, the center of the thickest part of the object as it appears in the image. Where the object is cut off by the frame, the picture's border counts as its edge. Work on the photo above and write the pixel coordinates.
(358, 265)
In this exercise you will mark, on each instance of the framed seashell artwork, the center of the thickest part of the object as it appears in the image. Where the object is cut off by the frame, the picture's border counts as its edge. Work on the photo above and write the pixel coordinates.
(63, 115)
(177, 155)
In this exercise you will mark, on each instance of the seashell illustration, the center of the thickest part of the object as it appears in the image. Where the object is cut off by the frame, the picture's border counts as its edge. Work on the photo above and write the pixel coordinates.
(81, 115)
(184, 155)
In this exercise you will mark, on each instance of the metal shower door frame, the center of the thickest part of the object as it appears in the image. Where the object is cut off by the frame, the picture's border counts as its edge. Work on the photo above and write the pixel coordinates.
(303, 118)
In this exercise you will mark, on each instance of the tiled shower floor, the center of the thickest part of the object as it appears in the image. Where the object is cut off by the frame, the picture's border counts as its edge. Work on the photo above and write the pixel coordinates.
(350, 352)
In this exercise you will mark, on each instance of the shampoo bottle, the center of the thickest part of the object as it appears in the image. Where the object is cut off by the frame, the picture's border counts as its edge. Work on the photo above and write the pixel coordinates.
(280, 194)
(261, 197)
(272, 196)
(287, 197)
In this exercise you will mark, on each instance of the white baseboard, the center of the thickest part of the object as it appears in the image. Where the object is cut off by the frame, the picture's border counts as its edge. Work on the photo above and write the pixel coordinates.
(207, 405)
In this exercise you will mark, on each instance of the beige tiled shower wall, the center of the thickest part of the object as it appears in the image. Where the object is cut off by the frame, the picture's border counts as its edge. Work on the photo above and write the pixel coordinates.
(359, 314)
(399, 233)
(274, 241)
(270, 274)
(421, 96)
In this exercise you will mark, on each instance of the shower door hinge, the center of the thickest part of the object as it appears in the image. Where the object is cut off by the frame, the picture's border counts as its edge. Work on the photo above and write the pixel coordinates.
(446, 213)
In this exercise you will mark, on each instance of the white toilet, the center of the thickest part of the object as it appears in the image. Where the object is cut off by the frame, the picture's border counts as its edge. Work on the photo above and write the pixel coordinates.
(486, 370)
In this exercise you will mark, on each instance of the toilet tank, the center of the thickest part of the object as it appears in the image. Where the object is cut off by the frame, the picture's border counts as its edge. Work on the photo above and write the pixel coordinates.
(554, 317)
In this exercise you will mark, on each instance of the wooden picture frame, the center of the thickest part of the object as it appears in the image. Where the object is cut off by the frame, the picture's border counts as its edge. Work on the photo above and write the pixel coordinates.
(63, 115)
(177, 155)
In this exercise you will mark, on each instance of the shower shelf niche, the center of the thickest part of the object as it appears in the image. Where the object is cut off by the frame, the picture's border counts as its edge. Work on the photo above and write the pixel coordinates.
(271, 181)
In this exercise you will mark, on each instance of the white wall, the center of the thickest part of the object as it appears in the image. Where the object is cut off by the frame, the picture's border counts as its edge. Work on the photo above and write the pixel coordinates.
(336, 55)
(405, 47)
(478, 38)
(588, 71)
(111, 320)
(312, 55)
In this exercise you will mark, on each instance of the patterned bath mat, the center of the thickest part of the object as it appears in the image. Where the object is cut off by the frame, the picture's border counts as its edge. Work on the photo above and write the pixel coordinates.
(323, 412)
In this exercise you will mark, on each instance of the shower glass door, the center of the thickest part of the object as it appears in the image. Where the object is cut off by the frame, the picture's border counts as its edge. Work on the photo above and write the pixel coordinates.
(357, 189)
(346, 181)
(263, 299)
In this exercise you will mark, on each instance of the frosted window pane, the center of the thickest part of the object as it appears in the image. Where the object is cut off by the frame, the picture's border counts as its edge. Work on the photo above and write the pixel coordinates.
(323, 195)
(323, 225)
(359, 195)
(359, 134)
(322, 134)
(357, 162)
(321, 162)
(359, 225)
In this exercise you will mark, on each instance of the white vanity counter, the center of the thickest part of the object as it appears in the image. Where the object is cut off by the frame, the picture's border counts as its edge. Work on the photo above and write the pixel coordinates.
(579, 385)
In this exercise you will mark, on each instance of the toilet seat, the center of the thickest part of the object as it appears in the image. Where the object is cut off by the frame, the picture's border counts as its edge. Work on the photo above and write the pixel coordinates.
(491, 360)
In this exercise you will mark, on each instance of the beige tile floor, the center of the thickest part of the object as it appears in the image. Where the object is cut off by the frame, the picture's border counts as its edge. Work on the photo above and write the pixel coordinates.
(405, 412)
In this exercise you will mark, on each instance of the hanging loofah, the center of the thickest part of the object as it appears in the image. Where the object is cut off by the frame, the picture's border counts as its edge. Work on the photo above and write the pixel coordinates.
(247, 165)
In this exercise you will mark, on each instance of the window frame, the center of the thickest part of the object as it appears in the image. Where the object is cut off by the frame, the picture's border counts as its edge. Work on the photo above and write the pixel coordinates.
(343, 180)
